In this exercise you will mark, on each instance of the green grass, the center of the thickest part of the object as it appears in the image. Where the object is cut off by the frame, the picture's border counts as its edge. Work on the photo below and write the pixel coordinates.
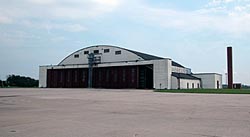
(208, 91)
(17, 87)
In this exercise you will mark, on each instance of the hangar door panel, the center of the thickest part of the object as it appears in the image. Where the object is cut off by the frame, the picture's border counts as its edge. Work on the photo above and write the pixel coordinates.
(132, 77)
(67, 78)
(115, 77)
(146, 77)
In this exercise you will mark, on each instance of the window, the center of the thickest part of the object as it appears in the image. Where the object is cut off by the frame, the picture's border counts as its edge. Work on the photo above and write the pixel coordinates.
(76, 55)
(198, 85)
(96, 51)
(86, 52)
(187, 85)
(118, 52)
(192, 85)
(106, 50)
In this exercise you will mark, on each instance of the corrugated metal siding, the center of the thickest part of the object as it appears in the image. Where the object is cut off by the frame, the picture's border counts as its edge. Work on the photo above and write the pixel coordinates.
(67, 78)
(108, 77)
(115, 77)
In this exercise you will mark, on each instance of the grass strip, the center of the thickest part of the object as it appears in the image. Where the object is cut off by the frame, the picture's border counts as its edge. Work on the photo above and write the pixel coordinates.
(207, 91)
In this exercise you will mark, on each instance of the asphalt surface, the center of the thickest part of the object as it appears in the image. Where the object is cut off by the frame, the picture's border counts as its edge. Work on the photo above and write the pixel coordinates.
(121, 113)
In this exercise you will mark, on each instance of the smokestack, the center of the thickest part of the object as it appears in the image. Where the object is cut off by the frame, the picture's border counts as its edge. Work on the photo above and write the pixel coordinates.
(230, 67)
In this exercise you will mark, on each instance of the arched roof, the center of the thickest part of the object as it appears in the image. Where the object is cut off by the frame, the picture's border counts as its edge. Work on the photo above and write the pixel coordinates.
(143, 56)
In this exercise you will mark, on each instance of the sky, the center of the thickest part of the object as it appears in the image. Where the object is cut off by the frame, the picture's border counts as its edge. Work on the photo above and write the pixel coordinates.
(194, 33)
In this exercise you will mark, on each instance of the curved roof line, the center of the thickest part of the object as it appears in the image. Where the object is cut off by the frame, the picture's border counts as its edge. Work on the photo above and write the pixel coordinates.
(140, 54)
(144, 55)
(80, 50)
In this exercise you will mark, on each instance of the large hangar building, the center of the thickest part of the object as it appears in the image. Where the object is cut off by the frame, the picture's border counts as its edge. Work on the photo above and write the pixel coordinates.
(105, 66)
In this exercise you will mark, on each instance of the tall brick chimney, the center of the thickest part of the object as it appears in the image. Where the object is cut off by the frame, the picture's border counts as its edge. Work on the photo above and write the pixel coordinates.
(230, 67)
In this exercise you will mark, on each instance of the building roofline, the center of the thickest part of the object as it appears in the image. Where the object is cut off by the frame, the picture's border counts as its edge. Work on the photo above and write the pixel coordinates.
(140, 54)
(144, 56)
(206, 74)
(184, 76)
(177, 64)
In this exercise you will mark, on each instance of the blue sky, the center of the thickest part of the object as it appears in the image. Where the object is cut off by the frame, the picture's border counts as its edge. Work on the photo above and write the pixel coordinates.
(193, 33)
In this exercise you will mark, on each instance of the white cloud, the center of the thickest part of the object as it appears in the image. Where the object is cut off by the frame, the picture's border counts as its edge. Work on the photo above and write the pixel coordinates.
(45, 2)
(229, 6)
(108, 3)
(219, 2)
(49, 26)
(240, 8)
(59, 9)
(56, 9)
(34, 13)
(216, 18)
(5, 20)
(218, 15)
(58, 39)
(75, 28)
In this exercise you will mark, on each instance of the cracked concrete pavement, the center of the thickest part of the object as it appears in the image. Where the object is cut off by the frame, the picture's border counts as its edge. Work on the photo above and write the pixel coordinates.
(121, 113)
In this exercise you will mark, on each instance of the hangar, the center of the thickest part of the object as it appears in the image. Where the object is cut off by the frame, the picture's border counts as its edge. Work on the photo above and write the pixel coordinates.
(106, 66)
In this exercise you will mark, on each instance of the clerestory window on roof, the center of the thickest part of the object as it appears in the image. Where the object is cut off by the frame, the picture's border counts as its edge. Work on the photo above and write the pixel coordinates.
(96, 51)
(118, 52)
(86, 52)
(106, 50)
(76, 55)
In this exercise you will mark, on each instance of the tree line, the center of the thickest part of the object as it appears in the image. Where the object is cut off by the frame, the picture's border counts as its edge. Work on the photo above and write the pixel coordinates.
(19, 81)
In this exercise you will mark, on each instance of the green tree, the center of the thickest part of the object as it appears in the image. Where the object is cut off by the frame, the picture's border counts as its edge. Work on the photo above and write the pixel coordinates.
(1, 84)
(21, 81)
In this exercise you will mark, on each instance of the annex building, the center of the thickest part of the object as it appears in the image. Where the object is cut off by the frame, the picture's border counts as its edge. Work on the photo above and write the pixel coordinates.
(105, 66)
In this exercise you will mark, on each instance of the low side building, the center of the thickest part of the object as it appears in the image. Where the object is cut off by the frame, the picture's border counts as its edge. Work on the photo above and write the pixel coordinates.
(185, 81)
(210, 80)
(105, 66)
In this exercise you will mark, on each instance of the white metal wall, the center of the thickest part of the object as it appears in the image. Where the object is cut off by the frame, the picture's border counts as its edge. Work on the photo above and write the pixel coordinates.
(180, 70)
(189, 84)
(42, 77)
(174, 82)
(185, 83)
(218, 77)
(105, 57)
(161, 71)
(209, 80)
(162, 68)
